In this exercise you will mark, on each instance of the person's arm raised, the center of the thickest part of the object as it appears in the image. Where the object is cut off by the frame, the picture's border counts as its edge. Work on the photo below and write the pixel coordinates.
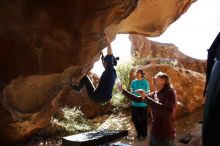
(129, 95)
(109, 47)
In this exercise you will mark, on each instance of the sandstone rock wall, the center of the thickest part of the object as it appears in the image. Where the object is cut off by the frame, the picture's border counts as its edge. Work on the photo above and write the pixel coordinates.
(154, 52)
(46, 43)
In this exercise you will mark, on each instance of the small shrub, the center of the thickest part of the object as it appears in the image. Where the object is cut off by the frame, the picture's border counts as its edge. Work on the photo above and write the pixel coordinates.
(68, 121)
(123, 75)
(139, 61)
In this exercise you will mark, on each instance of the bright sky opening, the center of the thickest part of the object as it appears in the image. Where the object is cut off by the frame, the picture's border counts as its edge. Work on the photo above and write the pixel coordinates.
(192, 33)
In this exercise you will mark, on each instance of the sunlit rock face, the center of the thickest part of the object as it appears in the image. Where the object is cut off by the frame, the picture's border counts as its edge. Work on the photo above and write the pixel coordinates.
(44, 44)
(189, 85)
(31, 101)
(154, 52)
(186, 73)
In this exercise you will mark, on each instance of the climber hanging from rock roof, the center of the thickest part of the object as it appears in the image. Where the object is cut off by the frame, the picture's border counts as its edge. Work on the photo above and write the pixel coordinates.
(103, 92)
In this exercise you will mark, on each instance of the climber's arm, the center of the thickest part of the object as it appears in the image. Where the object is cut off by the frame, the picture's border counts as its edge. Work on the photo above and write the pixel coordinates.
(109, 47)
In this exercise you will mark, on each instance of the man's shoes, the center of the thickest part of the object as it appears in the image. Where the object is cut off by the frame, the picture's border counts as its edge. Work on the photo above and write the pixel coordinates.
(76, 88)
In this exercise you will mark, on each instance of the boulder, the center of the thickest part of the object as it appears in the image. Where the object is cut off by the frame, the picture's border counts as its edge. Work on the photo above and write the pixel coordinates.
(160, 53)
(51, 36)
(44, 44)
(32, 101)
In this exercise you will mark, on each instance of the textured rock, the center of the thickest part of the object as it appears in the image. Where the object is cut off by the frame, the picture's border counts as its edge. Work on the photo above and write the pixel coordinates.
(189, 86)
(151, 18)
(46, 43)
(32, 101)
(156, 53)
(51, 36)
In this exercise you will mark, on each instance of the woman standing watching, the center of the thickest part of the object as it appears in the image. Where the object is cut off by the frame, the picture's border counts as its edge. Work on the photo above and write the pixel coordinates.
(139, 109)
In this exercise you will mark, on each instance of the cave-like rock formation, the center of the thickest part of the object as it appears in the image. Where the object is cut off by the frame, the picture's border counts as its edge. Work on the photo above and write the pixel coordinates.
(189, 85)
(155, 52)
(44, 44)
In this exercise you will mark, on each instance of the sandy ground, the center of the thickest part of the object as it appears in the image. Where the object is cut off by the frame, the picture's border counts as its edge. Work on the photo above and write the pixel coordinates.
(122, 121)
(190, 124)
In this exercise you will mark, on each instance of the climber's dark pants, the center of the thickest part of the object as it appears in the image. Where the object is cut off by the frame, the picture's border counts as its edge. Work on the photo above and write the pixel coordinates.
(86, 81)
(93, 94)
(211, 121)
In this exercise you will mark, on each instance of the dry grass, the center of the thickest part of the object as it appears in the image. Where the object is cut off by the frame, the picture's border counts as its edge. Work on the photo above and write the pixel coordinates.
(67, 121)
